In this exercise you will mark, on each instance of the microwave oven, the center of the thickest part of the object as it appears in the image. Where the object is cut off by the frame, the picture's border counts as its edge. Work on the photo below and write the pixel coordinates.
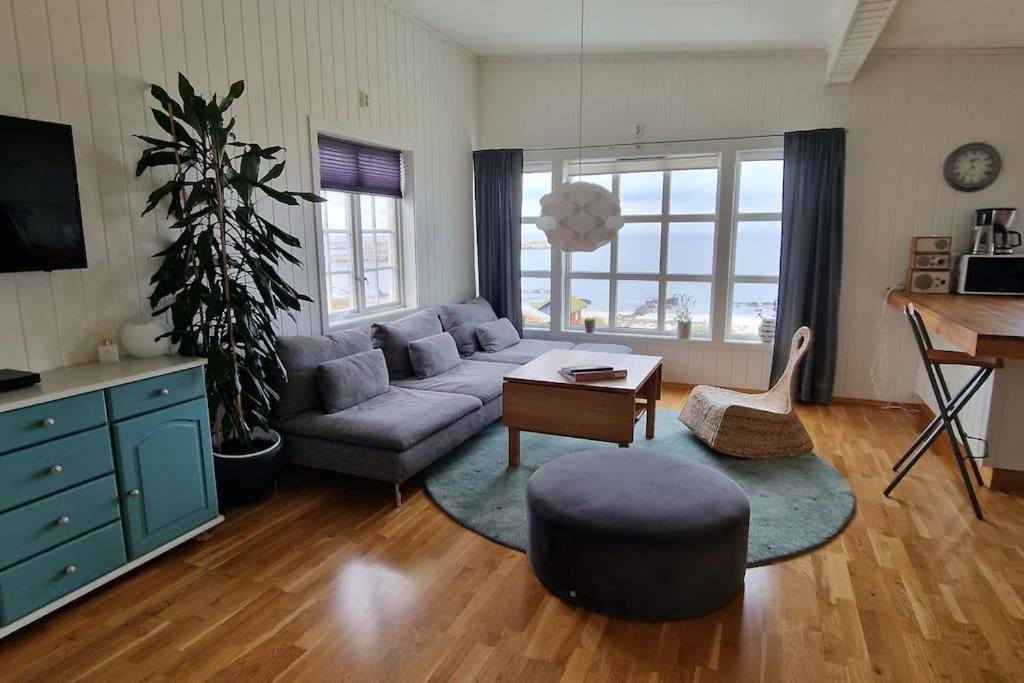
(987, 274)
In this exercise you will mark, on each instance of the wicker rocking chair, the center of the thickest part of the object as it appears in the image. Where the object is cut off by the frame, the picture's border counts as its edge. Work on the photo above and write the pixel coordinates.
(752, 425)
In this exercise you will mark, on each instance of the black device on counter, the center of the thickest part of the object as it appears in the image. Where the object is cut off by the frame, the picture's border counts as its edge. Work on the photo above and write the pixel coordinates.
(17, 379)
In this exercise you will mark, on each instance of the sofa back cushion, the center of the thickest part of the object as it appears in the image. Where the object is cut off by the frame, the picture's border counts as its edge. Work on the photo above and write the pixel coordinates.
(497, 335)
(461, 321)
(301, 356)
(393, 339)
(349, 381)
(433, 355)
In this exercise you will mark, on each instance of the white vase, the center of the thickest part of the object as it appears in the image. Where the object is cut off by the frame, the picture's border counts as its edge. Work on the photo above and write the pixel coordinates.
(139, 338)
(766, 330)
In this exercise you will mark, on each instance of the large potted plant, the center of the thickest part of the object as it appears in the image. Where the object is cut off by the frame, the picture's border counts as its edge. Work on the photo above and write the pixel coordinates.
(219, 279)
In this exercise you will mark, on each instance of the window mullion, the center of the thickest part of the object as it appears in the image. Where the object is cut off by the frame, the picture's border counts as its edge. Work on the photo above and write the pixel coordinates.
(721, 288)
(358, 284)
(666, 189)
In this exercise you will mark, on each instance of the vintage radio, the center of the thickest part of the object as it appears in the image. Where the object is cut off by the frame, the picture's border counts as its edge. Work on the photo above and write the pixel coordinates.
(930, 262)
(930, 281)
(933, 245)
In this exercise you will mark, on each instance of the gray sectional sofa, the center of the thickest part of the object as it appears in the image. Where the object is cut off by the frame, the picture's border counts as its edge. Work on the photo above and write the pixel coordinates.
(419, 414)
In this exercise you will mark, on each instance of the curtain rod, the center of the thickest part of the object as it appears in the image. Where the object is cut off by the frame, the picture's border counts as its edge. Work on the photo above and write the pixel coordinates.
(656, 142)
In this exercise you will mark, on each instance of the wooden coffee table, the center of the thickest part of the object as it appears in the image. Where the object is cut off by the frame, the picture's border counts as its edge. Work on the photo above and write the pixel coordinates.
(538, 399)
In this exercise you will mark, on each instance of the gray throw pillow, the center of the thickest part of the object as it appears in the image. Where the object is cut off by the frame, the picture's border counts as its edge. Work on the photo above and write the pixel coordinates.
(300, 356)
(433, 355)
(461, 321)
(351, 380)
(498, 335)
(393, 339)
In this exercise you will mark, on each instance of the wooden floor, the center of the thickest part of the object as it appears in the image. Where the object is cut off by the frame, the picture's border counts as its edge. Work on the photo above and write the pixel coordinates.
(328, 582)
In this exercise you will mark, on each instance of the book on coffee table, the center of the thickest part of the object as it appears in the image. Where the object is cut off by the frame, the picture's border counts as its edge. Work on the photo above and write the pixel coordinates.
(590, 374)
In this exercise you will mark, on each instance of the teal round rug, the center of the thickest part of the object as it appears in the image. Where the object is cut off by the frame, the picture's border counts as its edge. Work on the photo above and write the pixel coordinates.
(796, 504)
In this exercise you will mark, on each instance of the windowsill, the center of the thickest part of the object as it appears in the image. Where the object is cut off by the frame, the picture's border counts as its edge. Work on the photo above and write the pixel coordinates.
(382, 315)
(608, 337)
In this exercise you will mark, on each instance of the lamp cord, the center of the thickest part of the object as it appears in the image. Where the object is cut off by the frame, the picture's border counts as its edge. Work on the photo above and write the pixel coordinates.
(580, 168)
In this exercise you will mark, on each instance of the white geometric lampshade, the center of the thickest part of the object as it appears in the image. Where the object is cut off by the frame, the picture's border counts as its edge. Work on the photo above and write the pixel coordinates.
(579, 216)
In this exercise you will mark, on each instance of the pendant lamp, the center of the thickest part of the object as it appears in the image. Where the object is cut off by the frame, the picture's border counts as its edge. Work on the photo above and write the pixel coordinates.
(580, 216)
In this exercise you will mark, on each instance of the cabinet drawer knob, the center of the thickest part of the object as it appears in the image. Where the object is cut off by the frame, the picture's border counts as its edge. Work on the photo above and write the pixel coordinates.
(63, 520)
(164, 392)
(56, 469)
(49, 422)
(135, 493)
(70, 569)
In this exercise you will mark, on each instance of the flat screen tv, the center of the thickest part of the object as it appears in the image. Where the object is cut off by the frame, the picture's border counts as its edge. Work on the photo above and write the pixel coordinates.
(40, 215)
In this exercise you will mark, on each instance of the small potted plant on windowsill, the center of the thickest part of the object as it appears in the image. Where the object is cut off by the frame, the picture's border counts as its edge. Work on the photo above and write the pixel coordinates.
(219, 280)
(684, 316)
(589, 325)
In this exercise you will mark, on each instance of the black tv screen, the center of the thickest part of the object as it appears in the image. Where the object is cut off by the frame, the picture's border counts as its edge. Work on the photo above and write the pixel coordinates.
(40, 215)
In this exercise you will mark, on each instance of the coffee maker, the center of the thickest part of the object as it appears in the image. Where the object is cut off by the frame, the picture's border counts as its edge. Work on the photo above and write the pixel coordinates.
(992, 234)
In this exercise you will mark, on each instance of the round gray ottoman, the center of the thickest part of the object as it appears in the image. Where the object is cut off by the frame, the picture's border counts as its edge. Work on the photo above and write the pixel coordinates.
(637, 534)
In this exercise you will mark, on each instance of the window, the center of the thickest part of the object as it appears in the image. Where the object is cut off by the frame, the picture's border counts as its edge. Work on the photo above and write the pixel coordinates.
(757, 236)
(535, 252)
(662, 258)
(691, 241)
(361, 228)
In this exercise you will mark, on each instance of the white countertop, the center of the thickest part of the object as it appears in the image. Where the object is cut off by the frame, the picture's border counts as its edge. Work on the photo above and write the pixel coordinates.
(81, 379)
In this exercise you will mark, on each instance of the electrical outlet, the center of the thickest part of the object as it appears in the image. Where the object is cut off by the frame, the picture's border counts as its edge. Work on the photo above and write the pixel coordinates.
(364, 99)
(638, 130)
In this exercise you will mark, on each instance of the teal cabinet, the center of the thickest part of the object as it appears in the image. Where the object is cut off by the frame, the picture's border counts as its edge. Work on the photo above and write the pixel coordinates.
(46, 523)
(55, 573)
(144, 396)
(39, 423)
(164, 462)
(39, 471)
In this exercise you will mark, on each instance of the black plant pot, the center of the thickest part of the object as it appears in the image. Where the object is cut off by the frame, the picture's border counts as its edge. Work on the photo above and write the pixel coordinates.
(244, 479)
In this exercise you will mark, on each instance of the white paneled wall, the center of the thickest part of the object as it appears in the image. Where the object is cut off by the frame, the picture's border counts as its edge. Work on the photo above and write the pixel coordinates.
(904, 113)
(89, 63)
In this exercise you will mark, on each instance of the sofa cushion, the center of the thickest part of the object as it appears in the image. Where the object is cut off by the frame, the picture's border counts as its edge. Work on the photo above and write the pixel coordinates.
(345, 382)
(395, 420)
(523, 352)
(433, 355)
(301, 356)
(461, 321)
(393, 339)
(497, 335)
(469, 377)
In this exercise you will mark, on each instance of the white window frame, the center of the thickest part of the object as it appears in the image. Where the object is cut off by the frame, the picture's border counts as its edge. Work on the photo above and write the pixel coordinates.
(752, 217)
(405, 232)
(664, 219)
(537, 167)
(358, 270)
(726, 223)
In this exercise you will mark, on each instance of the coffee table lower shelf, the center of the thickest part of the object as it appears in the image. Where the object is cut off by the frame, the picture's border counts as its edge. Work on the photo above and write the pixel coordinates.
(580, 413)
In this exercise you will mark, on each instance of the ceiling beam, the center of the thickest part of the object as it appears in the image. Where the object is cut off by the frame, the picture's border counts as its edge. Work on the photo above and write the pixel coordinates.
(860, 32)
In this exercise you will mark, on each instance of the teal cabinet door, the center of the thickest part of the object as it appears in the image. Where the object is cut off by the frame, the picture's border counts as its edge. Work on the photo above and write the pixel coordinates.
(165, 470)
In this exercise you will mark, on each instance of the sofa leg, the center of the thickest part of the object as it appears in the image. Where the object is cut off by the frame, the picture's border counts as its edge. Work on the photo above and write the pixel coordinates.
(398, 495)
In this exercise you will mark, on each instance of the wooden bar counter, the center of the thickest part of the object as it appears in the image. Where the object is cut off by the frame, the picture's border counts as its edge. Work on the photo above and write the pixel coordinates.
(986, 326)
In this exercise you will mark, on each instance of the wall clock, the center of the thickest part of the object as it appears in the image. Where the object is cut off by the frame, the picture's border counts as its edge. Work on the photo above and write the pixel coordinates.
(972, 167)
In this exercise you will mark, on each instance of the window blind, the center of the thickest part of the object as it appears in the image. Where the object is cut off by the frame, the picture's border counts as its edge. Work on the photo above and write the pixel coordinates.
(352, 167)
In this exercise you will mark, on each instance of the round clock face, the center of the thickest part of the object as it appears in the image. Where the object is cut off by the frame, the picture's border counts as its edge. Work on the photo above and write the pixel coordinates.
(972, 167)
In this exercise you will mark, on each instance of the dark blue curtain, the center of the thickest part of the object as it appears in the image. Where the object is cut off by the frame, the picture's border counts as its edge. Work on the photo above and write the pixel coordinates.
(812, 256)
(498, 184)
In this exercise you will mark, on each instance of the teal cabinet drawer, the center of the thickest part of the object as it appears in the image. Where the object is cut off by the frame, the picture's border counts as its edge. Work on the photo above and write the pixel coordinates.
(46, 523)
(46, 421)
(39, 471)
(133, 399)
(47, 577)
(165, 471)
